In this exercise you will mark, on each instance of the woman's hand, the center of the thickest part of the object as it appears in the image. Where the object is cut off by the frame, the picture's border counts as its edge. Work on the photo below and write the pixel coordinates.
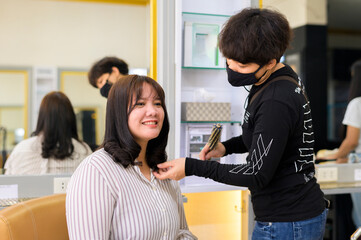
(342, 160)
(174, 169)
(331, 156)
(218, 151)
(334, 156)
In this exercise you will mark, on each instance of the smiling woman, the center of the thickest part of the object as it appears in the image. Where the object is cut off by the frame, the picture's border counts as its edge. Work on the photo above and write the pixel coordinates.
(140, 100)
(146, 115)
(122, 195)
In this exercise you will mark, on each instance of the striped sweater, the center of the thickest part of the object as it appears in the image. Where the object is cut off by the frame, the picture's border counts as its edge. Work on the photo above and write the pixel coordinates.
(107, 201)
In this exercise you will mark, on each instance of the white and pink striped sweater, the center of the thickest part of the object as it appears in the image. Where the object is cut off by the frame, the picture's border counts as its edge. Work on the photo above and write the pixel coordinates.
(107, 201)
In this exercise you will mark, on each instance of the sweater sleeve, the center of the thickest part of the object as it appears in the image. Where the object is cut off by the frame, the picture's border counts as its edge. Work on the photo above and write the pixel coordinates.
(89, 205)
(269, 140)
(184, 233)
(235, 145)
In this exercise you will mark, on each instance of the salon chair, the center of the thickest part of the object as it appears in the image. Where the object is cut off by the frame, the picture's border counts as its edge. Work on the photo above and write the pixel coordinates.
(356, 235)
(37, 219)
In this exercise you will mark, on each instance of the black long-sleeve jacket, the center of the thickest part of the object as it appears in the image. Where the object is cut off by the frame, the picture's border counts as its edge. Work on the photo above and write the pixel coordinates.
(278, 135)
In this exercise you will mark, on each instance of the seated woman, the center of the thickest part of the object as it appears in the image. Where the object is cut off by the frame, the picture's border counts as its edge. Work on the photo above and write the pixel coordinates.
(54, 147)
(114, 194)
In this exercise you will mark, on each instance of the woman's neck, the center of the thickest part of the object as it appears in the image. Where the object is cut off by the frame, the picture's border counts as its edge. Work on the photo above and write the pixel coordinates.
(141, 158)
(144, 168)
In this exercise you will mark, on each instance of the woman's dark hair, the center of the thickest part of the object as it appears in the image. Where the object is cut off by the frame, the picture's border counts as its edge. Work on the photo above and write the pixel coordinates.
(354, 92)
(105, 66)
(118, 140)
(57, 124)
(355, 86)
(255, 36)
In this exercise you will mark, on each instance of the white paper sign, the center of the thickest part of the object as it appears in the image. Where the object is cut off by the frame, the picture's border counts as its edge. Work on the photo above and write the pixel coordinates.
(357, 175)
(8, 191)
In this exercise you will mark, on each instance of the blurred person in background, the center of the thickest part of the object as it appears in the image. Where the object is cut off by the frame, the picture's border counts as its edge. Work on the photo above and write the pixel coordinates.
(350, 148)
(105, 72)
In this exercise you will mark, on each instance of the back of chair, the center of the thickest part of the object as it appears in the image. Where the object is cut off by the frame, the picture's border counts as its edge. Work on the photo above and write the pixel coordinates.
(356, 235)
(37, 219)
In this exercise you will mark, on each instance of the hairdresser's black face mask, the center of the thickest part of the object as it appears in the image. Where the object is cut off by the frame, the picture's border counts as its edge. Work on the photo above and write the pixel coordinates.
(104, 91)
(237, 79)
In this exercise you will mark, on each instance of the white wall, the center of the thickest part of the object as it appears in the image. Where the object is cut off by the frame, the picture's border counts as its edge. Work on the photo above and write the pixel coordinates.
(72, 34)
(300, 12)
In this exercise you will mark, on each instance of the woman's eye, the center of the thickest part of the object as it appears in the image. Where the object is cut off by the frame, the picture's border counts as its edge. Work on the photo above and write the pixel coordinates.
(139, 104)
(158, 103)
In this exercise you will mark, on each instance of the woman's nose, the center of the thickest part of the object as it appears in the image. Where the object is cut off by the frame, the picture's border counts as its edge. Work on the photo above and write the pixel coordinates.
(151, 110)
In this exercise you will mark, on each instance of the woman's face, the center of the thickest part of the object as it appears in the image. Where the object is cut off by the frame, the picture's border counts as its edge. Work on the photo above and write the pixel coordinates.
(145, 121)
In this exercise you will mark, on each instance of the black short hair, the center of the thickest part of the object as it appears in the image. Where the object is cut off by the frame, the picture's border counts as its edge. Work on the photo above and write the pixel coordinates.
(105, 66)
(118, 140)
(255, 36)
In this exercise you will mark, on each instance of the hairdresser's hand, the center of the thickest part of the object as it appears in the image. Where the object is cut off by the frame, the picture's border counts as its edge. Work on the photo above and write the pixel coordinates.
(218, 151)
(174, 169)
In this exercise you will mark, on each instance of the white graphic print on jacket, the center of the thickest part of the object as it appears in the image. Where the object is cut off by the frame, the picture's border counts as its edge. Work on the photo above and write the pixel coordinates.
(306, 153)
(253, 166)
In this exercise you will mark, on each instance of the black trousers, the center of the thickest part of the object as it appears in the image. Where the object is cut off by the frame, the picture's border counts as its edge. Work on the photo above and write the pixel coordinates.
(343, 212)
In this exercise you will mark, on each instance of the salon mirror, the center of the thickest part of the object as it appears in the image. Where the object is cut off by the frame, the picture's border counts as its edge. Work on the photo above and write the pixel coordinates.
(63, 39)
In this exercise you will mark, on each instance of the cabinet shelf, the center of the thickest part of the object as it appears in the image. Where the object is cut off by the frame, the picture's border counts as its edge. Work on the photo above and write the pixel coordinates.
(195, 188)
(231, 122)
(206, 14)
(207, 68)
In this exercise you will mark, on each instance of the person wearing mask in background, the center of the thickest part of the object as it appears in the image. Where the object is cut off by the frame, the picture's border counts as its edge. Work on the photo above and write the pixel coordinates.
(277, 132)
(105, 72)
(54, 146)
(113, 193)
(352, 141)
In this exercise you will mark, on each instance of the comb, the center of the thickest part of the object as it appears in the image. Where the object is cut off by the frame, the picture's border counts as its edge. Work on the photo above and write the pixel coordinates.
(215, 135)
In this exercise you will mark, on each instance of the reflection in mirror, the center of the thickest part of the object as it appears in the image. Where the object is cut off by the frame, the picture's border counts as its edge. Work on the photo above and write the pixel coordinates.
(64, 35)
(13, 108)
(73, 84)
(54, 146)
(86, 126)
